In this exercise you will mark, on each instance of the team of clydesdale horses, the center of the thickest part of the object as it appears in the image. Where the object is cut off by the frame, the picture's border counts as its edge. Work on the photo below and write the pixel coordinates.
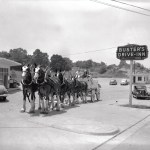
(49, 86)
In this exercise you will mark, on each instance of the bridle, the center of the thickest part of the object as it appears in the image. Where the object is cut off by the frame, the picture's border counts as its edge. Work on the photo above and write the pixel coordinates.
(39, 72)
(26, 72)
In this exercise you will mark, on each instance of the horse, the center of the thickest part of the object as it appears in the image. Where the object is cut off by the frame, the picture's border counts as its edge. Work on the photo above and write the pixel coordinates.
(29, 88)
(46, 87)
(65, 88)
(79, 88)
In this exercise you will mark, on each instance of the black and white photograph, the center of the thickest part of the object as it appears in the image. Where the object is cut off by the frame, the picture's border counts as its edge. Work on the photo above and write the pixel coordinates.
(74, 75)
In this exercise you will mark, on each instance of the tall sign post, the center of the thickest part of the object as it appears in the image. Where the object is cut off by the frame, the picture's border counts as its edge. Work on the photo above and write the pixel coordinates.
(132, 52)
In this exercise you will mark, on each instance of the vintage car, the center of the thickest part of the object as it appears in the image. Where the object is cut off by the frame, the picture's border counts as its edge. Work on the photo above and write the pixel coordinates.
(3, 92)
(140, 92)
(124, 82)
(113, 82)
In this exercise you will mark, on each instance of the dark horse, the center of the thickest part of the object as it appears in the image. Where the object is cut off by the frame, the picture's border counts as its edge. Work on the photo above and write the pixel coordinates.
(29, 88)
(65, 88)
(79, 88)
(47, 86)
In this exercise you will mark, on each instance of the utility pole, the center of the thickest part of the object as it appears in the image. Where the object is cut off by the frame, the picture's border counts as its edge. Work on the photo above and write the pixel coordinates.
(131, 78)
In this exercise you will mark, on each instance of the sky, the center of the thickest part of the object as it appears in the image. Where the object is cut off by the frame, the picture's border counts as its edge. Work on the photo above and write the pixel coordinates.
(77, 29)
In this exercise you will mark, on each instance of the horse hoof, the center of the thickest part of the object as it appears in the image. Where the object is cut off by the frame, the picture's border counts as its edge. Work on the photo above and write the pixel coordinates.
(42, 112)
(63, 105)
(31, 111)
(58, 109)
(46, 112)
(22, 110)
(39, 108)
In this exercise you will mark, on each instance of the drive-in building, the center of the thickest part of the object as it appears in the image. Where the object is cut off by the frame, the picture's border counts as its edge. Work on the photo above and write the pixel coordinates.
(5, 65)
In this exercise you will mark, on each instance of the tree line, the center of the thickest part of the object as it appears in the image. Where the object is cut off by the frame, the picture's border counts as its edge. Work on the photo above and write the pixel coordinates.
(57, 62)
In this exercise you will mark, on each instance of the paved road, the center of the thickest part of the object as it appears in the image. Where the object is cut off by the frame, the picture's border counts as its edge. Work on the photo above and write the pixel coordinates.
(62, 130)
(135, 138)
(139, 140)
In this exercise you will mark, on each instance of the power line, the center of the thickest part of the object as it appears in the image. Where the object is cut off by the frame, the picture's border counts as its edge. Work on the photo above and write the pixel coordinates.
(120, 8)
(94, 51)
(131, 5)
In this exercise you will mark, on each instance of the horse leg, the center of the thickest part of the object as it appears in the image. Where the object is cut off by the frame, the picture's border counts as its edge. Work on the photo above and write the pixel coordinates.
(58, 102)
(46, 105)
(52, 102)
(82, 97)
(23, 109)
(77, 98)
(32, 109)
(85, 96)
(42, 103)
(74, 97)
(69, 96)
(39, 108)
(98, 95)
(93, 95)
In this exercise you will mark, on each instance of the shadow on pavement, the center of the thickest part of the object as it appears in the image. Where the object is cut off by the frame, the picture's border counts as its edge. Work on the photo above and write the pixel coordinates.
(4, 101)
(51, 113)
(136, 106)
(14, 91)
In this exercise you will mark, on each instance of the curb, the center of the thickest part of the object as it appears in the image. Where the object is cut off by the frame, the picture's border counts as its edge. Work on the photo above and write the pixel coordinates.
(83, 126)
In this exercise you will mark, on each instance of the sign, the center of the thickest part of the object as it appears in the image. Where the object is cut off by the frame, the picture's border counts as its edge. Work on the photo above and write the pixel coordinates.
(132, 52)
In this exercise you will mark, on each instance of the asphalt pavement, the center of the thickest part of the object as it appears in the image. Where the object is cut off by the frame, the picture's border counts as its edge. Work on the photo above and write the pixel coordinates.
(84, 126)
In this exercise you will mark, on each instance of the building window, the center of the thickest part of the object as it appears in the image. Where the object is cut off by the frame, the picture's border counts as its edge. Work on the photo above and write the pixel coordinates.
(3, 72)
(139, 78)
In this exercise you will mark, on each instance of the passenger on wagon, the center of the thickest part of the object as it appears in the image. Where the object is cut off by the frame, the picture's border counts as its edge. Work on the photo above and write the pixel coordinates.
(76, 78)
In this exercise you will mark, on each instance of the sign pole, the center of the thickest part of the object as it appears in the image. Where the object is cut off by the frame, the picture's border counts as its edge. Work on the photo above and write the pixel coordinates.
(131, 78)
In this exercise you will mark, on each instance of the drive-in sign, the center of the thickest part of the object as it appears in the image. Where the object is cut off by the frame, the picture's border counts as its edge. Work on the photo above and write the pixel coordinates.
(132, 52)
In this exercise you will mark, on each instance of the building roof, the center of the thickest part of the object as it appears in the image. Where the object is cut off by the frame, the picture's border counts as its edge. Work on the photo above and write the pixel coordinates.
(9, 62)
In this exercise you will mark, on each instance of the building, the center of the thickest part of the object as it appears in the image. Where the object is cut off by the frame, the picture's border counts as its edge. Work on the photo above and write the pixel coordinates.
(141, 78)
(5, 71)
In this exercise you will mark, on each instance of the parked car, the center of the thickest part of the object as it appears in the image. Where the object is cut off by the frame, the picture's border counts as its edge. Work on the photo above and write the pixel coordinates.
(3, 92)
(124, 82)
(140, 91)
(113, 82)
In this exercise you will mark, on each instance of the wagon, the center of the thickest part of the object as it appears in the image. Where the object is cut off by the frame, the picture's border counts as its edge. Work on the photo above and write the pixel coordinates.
(93, 88)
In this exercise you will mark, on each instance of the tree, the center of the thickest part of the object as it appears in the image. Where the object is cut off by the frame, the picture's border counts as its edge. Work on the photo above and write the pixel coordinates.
(40, 58)
(5, 55)
(89, 63)
(60, 63)
(68, 64)
(103, 69)
(18, 55)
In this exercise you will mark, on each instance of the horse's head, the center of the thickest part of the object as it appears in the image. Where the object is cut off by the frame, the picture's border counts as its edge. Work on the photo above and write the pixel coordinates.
(26, 75)
(73, 79)
(25, 71)
(39, 74)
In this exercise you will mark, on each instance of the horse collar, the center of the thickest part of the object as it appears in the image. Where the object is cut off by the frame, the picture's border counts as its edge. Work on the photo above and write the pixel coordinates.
(25, 83)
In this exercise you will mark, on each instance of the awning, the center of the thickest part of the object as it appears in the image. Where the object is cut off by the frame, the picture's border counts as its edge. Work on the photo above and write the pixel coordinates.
(8, 62)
